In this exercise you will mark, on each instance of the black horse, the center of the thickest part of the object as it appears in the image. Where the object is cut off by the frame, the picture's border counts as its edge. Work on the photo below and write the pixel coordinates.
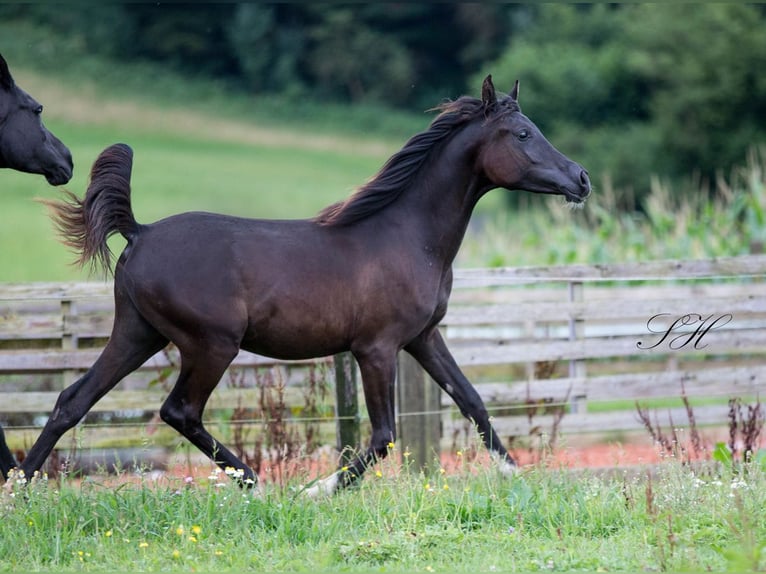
(371, 274)
(25, 143)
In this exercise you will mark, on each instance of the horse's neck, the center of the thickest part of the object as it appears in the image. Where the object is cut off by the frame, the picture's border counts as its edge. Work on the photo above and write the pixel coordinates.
(439, 204)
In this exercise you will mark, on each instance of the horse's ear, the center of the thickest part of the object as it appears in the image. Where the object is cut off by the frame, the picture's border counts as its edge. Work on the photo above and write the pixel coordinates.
(6, 81)
(488, 95)
(515, 92)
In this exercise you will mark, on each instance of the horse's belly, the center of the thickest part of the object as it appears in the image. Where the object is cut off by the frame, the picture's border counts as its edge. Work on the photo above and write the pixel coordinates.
(294, 339)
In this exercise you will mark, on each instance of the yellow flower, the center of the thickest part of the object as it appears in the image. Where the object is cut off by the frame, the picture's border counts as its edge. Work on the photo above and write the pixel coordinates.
(143, 545)
(459, 453)
(108, 533)
(196, 529)
(180, 531)
(192, 539)
(378, 474)
(218, 553)
(176, 554)
(391, 445)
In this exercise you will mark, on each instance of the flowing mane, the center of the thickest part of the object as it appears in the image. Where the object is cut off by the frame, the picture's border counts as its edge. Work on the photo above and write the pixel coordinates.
(398, 171)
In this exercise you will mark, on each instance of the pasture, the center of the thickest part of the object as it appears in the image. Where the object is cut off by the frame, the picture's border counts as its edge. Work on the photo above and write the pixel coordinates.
(469, 519)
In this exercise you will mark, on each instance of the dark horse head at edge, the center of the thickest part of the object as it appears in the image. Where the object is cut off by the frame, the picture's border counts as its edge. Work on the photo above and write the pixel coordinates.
(25, 143)
(371, 275)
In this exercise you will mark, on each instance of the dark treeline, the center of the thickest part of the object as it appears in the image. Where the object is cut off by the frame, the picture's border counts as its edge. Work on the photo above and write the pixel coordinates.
(628, 89)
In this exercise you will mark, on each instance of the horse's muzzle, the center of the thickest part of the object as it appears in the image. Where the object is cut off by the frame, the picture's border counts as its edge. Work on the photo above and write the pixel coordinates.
(582, 191)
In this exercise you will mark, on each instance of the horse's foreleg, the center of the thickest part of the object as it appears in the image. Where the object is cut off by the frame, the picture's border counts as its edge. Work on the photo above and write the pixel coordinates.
(200, 373)
(7, 461)
(431, 352)
(378, 370)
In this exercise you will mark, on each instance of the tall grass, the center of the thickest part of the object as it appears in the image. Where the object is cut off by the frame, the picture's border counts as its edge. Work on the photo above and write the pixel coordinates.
(470, 519)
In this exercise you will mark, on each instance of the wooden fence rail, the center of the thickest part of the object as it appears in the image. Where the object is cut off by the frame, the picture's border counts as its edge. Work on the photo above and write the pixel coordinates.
(533, 339)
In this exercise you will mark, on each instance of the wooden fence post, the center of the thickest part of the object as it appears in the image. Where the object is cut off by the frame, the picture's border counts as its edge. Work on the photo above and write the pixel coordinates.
(419, 401)
(577, 332)
(346, 405)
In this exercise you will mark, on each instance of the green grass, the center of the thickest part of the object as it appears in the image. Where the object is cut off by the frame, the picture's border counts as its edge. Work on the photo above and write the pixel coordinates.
(468, 520)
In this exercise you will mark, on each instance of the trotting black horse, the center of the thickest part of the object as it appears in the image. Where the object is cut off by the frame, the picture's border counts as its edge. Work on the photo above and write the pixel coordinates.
(26, 145)
(371, 274)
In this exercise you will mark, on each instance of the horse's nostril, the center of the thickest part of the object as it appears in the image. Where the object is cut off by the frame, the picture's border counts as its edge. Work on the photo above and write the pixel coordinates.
(584, 179)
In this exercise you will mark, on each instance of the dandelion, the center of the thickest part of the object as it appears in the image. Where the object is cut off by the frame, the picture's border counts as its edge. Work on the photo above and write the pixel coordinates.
(391, 445)
(459, 453)
(180, 531)
(218, 553)
(378, 474)
(406, 454)
(192, 539)
(143, 545)
(108, 533)
(196, 529)
(176, 554)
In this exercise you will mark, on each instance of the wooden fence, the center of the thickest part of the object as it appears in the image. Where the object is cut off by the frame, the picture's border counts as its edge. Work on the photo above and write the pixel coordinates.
(567, 347)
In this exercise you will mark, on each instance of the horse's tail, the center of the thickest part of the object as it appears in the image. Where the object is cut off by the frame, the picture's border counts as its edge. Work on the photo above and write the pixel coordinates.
(85, 225)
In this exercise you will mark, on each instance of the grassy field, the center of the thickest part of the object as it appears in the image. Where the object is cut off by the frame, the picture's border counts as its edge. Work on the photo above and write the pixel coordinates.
(467, 520)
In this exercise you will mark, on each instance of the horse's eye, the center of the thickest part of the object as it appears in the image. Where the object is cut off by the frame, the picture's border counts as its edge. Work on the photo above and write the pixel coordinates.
(39, 110)
(523, 135)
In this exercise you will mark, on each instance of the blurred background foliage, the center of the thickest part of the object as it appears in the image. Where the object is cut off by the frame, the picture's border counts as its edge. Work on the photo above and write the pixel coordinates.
(630, 90)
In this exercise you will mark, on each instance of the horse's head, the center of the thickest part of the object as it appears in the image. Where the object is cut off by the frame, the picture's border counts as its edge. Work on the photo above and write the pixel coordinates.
(25, 143)
(516, 155)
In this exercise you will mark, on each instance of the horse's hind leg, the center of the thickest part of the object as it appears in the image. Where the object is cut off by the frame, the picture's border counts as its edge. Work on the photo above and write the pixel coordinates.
(133, 342)
(200, 373)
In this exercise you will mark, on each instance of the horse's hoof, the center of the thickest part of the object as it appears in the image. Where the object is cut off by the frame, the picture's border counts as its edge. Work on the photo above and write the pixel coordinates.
(324, 487)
